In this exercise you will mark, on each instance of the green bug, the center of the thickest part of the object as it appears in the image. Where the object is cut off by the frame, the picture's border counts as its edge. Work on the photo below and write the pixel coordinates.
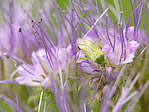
(91, 51)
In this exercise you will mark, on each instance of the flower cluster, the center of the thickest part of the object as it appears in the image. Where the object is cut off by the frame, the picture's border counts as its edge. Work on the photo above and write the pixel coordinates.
(78, 55)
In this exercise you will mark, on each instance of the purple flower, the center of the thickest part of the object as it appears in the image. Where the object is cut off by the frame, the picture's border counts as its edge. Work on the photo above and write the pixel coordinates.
(119, 44)
(121, 55)
(122, 52)
(53, 61)
(33, 75)
(41, 73)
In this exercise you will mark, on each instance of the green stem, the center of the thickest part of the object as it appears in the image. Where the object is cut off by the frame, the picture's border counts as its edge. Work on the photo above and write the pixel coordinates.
(2, 69)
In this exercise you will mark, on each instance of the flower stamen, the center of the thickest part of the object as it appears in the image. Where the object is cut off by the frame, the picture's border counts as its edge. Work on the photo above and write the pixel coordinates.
(9, 56)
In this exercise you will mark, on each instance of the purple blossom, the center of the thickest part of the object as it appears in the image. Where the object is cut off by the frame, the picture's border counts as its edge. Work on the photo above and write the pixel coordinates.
(116, 56)
(32, 75)
(40, 73)
(53, 62)
(119, 45)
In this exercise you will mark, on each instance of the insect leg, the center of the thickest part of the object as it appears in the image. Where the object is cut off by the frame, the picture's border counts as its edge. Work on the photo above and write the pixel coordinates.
(102, 76)
(82, 59)
(91, 64)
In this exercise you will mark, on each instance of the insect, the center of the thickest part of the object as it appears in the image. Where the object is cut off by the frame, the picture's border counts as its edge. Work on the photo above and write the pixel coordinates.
(91, 51)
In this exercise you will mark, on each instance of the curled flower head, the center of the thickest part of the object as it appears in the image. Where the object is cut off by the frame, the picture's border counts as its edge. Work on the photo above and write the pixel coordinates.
(118, 42)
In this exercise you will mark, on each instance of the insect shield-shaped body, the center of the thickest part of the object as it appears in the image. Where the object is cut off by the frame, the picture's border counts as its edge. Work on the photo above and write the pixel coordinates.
(91, 51)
